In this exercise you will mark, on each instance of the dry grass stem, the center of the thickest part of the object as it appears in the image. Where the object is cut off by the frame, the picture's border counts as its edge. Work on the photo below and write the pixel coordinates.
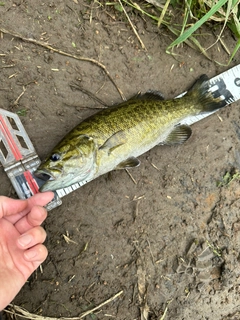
(165, 311)
(101, 305)
(23, 313)
(149, 245)
(7, 66)
(154, 166)
(15, 103)
(68, 240)
(130, 175)
(131, 24)
(163, 13)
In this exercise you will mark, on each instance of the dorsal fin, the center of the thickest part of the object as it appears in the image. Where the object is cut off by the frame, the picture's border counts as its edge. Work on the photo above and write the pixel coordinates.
(151, 95)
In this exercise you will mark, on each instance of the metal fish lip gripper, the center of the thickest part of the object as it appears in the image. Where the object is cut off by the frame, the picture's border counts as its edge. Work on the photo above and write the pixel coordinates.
(19, 158)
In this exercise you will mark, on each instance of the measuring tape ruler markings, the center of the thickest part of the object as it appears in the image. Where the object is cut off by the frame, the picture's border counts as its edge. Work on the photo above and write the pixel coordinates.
(63, 192)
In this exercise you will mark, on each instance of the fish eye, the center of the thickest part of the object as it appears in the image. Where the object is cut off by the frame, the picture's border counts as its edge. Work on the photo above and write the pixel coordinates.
(55, 157)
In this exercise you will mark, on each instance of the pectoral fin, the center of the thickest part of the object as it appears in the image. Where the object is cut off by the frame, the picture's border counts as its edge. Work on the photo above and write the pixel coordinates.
(115, 141)
(179, 135)
(129, 163)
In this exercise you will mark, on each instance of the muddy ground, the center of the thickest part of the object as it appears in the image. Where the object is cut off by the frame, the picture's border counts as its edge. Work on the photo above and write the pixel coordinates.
(170, 240)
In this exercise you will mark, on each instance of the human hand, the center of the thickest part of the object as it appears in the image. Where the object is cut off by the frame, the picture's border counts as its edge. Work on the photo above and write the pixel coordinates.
(21, 238)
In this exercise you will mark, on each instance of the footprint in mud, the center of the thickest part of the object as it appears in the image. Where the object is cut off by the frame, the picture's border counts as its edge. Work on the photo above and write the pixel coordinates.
(202, 261)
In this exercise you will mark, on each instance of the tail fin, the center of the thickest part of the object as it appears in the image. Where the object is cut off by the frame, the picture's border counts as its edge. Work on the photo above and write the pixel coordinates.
(210, 98)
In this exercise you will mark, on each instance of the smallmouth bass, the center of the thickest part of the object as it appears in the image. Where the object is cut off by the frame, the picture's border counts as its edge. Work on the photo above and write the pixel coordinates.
(114, 137)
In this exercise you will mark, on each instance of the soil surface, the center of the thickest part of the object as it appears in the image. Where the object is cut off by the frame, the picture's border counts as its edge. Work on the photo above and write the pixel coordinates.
(170, 242)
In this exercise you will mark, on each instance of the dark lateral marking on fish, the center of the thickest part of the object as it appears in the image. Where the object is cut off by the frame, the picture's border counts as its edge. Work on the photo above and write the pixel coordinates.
(131, 162)
(179, 135)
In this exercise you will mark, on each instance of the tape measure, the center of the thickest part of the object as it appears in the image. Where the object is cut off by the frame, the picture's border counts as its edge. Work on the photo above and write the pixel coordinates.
(20, 160)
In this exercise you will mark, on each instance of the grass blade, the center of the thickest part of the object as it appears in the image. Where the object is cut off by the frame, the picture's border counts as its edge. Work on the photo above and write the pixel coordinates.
(234, 51)
(198, 24)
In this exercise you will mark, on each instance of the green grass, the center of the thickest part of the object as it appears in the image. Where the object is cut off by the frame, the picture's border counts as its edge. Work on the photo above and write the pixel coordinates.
(228, 177)
(185, 20)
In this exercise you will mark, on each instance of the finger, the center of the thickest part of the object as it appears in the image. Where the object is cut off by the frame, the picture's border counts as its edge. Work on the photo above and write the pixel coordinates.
(39, 199)
(14, 210)
(35, 218)
(36, 255)
(10, 206)
(31, 238)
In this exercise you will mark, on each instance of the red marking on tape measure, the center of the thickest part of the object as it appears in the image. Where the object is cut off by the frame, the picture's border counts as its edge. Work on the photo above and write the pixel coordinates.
(31, 182)
(12, 144)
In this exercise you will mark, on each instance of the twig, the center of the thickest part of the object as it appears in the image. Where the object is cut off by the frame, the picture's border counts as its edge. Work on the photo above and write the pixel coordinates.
(90, 94)
(47, 46)
(134, 29)
(86, 291)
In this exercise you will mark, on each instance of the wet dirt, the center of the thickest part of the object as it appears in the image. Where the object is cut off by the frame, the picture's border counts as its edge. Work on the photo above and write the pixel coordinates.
(171, 241)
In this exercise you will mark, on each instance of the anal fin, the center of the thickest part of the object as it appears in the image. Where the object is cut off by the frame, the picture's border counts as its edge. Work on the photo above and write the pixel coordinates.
(178, 135)
(129, 163)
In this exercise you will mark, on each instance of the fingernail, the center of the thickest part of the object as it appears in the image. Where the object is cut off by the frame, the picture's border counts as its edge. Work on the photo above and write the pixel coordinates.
(25, 239)
(29, 255)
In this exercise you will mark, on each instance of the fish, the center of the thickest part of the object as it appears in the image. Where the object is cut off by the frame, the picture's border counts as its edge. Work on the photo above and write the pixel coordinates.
(115, 137)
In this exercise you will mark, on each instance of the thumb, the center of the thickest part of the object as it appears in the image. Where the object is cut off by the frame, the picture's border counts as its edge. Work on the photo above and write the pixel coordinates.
(20, 208)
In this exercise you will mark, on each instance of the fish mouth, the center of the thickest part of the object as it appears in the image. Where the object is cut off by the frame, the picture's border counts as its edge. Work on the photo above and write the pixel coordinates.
(44, 175)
